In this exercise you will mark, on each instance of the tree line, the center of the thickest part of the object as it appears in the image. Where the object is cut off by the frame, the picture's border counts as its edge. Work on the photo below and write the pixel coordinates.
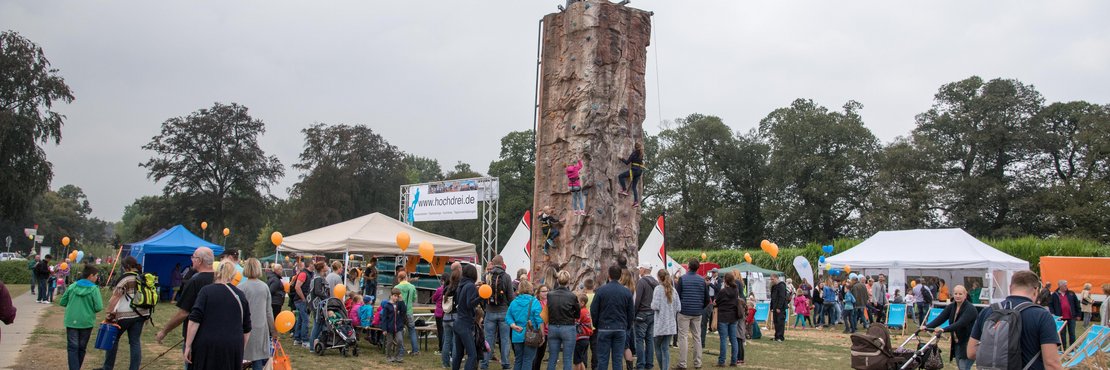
(989, 156)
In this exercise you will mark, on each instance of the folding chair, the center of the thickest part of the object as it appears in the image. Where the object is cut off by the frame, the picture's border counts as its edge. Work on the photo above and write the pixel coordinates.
(1095, 337)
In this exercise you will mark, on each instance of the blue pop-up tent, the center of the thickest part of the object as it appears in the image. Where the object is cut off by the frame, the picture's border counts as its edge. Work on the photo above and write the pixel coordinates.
(162, 252)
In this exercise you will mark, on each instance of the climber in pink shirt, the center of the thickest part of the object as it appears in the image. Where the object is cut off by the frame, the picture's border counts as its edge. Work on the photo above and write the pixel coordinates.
(578, 202)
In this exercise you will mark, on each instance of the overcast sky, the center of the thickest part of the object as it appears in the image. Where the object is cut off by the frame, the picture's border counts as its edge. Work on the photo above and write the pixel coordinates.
(448, 79)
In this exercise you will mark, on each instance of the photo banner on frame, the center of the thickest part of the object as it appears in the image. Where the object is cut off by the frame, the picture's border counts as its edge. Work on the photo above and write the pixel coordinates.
(896, 315)
(762, 310)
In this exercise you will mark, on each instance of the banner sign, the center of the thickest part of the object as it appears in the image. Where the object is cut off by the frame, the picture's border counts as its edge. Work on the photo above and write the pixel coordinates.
(933, 314)
(447, 200)
(762, 310)
(896, 315)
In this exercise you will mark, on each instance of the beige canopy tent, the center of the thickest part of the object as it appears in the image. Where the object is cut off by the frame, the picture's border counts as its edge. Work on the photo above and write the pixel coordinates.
(374, 234)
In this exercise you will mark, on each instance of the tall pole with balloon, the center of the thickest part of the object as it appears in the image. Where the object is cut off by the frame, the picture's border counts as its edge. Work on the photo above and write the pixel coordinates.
(204, 230)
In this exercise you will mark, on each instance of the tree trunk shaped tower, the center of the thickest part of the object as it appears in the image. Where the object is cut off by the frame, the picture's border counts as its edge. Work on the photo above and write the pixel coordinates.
(591, 107)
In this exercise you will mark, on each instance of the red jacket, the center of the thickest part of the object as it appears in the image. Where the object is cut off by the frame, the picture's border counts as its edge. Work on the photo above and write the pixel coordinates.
(7, 310)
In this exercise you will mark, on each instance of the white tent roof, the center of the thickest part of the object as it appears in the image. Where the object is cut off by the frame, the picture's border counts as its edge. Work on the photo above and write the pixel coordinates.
(374, 233)
(926, 249)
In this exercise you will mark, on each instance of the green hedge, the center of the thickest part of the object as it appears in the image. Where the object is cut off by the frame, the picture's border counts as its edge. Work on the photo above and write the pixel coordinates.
(1028, 248)
(15, 272)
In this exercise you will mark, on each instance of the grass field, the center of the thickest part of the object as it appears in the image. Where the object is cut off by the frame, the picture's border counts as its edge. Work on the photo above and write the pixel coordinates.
(803, 349)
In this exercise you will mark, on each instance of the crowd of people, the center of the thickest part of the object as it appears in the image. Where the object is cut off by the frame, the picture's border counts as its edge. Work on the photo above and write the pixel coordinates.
(226, 312)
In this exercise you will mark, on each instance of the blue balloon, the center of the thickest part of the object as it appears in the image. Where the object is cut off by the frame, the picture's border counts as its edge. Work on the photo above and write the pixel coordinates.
(821, 260)
(827, 248)
(834, 272)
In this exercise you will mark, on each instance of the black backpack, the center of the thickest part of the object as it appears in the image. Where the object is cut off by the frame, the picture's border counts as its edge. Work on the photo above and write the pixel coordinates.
(499, 297)
(318, 291)
(1000, 342)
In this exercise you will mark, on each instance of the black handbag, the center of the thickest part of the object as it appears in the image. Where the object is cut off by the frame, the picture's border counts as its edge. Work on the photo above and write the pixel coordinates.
(533, 337)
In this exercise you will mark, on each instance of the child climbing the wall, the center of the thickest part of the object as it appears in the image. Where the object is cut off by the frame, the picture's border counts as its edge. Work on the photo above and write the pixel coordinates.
(635, 164)
(574, 182)
(548, 223)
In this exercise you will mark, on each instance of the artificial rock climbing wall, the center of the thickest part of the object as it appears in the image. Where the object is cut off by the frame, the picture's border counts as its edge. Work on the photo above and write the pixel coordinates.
(591, 104)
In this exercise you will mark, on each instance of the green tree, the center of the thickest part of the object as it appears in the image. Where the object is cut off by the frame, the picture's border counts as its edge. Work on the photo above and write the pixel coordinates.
(688, 182)
(902, 196)
(744, 168)
(515, 169)
(147, 215)
(978, 133)
(1065, 185)
(29, 88)
(820, 172)
(212, 164)
(421, 169)
(348, 171)
(461, 171)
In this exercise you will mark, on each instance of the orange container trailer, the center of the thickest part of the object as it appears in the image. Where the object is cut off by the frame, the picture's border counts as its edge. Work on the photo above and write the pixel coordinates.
(1077, 271)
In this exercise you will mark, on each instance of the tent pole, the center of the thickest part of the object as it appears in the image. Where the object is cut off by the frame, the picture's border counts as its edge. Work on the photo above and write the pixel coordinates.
(346, 263)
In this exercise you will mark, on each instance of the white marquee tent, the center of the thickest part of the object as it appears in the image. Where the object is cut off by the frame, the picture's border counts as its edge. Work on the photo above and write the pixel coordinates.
(374, 234)
(950, 254)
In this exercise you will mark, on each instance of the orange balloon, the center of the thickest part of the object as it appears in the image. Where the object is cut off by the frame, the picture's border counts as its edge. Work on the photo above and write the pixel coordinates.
(765, 245)
(65, 241)
(847, 269)
(286, 284)
(204, 225)
(63, 266)
(72, 256)
(703, 256)
(340, 291)
(748, 257)
(235, 280)
(485, 291)
(913, 283)
(227, 231)
(276, 238)
(403, 240)
(427, 251)
(774, 252)
(284, 321)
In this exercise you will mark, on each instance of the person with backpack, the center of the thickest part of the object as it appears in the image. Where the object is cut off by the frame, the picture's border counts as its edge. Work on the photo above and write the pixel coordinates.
(466, 302)
(1016, 333)
(298, 301)
(124, 311)
(496, 328)
(42, 276)
(961, 317)
(319, 291)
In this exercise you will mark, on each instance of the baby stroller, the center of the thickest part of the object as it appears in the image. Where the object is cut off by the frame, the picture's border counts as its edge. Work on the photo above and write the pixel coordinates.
(338, 331)
(926, 356)
(871, 350)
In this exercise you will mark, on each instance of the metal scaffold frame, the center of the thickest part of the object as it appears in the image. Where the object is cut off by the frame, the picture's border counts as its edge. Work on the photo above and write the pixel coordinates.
(487, 214)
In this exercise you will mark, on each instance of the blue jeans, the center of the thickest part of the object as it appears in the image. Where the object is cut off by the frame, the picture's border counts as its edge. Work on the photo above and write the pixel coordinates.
(965, 364)
(77, 340)
(578, 201)
(643, 339)
(827, 312)
(494, 324)
(523, 356)
(413, 337)
(610, 347)
(849, 321)
(43, 290)
(727, 332)
(662, 352)
(134, 329)
(464, 346)
(448, 341)
(858, 315)
(633, 174)
(259, 364)
(317, 324)
(300, 327)
(561, 338)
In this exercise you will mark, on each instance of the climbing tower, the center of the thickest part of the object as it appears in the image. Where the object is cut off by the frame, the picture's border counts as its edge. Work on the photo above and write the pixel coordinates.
(591, 107)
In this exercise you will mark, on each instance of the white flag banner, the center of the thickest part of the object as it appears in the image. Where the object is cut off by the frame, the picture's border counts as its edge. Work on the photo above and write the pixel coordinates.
(805, 270)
